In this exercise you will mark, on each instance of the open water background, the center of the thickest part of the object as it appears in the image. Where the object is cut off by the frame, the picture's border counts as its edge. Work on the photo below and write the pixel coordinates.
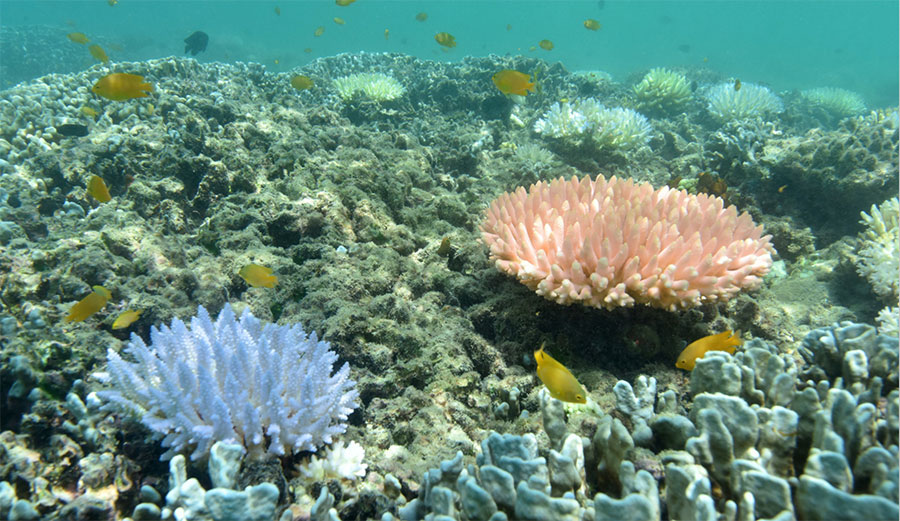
(783, 44)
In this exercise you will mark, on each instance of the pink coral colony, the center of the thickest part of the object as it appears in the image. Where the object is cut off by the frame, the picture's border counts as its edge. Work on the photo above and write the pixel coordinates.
(609, 243)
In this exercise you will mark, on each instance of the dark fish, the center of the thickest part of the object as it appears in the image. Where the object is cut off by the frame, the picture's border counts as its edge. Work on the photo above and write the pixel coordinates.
(196, 43)
(72, 130)
(685, 48)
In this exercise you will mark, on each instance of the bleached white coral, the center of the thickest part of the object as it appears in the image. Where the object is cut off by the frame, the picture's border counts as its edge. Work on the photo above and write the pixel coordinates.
(338, 462)
(662, 90)
(375, 86)
(618, 127)
(888, 321)
(840, 102)
(879, 252)
(263, 386)
(727, 103)
(563, 119)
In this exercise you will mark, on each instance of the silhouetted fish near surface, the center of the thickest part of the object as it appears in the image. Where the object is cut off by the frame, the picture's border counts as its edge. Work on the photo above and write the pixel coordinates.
(196, 43)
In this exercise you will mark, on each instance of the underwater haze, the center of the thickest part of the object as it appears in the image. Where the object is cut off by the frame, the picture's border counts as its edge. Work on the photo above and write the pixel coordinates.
(457, 260)
(783, 44)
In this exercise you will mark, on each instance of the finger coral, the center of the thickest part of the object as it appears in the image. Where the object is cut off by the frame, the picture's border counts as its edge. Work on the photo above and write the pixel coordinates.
(268, 388)
(610, 243)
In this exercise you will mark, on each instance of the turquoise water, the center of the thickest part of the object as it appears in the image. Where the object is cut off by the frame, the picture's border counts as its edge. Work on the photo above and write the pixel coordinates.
(787, 45)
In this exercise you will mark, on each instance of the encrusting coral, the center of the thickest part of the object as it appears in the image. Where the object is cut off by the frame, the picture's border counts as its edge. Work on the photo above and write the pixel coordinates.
(610, 243)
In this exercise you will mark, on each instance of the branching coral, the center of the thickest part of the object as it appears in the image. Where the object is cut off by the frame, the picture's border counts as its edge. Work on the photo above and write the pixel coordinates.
(265, 387)
(879, 252)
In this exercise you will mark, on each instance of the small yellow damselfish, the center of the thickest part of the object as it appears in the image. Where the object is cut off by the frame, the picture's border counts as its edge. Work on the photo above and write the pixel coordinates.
(724, 341)
(559, 381)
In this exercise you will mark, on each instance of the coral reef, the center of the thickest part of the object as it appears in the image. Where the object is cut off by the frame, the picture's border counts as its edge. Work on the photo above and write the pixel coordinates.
(268, 388)
(368, 213)
(758, 443)
(616, 243)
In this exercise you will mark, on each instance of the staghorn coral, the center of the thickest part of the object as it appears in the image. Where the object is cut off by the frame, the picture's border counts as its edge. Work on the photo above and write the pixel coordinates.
(609, 243)
(662, 91)
(839, 102)
(265, 387)
(751, 101)
(374, 86)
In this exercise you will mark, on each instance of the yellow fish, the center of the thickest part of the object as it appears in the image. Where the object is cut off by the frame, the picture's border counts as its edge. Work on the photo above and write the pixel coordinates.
(301, 82)
(90, 112)
(445, 39)
(126, 319)
(421, 17)
(513, 82)
(547, 45)
(320, 30)
(89, 305)
(724, 341)
(78, 38)
(121, 86)
(592, 24)
(98, 53)
(344, 3)
(559, 381)
(258, 276)
(98, 190)
(338, 20)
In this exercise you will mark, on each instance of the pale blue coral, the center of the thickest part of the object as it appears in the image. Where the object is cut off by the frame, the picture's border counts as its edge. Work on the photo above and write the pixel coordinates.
(749, 101)
(268, 388)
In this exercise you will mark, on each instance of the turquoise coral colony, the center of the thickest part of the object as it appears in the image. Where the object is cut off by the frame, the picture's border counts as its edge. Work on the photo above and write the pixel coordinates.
(331, 296)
